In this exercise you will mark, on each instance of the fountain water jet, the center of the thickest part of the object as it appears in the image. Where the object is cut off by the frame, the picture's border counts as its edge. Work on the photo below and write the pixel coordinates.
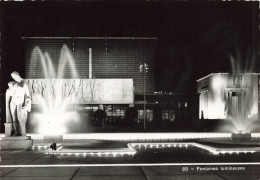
(53, 113)
(242, 111)
(239, 100)
(233, 97)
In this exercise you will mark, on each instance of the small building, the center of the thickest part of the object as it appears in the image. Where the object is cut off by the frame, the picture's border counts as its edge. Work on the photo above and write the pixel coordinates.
(225, 96)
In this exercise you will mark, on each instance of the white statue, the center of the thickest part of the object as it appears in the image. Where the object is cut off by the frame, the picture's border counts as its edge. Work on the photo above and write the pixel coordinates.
(8, 96)
(18, 102)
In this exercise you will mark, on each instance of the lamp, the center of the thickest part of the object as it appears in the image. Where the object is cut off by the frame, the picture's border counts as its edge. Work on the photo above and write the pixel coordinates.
(53, 146)
(143, 67)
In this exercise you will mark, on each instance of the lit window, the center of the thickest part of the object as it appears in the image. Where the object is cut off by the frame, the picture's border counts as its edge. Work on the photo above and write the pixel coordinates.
(168, 115)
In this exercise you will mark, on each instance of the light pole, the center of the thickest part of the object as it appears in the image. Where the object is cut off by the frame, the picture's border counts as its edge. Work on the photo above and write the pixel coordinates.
(144, 69)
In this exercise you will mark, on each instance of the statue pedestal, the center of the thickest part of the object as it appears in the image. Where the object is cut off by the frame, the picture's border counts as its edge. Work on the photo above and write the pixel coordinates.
(8, 129)
(16, 142)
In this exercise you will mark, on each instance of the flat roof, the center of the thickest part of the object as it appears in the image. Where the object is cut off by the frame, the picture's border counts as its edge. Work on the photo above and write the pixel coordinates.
(221, 73)
(133, 38)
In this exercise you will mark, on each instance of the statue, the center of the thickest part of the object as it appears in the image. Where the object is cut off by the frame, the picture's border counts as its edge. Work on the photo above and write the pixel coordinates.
(8, 96)
(18, 103)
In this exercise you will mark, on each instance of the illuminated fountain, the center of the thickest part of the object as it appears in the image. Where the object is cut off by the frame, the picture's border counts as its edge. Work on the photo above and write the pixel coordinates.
(53, 113)
(242, 101)
(56, 96)
(232, 98)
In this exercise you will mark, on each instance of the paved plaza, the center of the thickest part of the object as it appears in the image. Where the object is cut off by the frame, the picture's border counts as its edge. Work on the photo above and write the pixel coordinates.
(147, 164)
(125, 172)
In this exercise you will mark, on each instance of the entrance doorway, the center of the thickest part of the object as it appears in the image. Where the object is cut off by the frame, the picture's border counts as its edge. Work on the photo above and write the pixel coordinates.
(235, 104)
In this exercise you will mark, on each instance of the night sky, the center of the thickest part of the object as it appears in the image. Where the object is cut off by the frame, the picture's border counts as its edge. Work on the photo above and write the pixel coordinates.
(194, 39)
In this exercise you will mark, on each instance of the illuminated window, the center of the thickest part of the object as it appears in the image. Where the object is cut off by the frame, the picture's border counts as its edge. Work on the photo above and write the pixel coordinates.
(168, 115)
(140, 114)
(115, 114)
(149, 114)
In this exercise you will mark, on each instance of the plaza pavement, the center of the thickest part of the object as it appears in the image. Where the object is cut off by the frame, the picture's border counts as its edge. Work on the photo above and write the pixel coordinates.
(118, 173)
(32, 164)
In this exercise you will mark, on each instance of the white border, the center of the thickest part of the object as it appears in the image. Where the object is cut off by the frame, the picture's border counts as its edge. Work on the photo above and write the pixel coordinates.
(141, 136)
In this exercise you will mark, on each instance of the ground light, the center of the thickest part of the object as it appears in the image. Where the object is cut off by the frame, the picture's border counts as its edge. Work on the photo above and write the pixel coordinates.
(53, 146)
(131, 150)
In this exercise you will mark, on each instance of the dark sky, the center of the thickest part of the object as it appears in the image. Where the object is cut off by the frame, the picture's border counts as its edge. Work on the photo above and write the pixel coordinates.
(194, 39)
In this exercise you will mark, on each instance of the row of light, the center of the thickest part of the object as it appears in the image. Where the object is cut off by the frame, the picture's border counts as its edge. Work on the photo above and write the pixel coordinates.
(39, 147)
(236, 152)
(207, 148)
(146, 136)
(99, 154)
(217, 151)
(132, 147)
(213, 150)
(143, 136)
(44, 147)
(159, 145)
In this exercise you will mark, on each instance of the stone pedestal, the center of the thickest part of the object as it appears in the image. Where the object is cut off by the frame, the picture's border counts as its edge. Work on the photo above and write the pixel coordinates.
(8, 129)
(241, 137)
(53, 138)
(17, 142)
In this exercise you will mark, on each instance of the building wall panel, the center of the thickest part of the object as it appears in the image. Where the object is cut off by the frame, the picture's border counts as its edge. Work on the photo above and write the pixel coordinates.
(111, 58)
